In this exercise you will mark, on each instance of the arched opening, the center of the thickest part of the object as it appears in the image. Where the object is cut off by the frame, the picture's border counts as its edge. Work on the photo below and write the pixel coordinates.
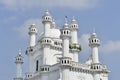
(37, 62)
(65, 61)
(68, 61)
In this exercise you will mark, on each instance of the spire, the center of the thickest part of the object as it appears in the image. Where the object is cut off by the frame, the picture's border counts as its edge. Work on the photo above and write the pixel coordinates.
(19, 52)
(66, 19)
(93, 30)
(32, 33)
(19, 62)
(94, 43)
(66, 23)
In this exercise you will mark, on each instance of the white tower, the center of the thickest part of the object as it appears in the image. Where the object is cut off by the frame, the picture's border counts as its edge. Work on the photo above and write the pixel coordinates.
(65, 60)
(19, 62)
(74, 39)
(94, 43)
(65, 35)
(74, 30)
(47, 20)
(32, 33)
(46, 41)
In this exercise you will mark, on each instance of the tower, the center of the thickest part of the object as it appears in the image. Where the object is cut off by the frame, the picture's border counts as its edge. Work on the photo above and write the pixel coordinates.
(65, 60)
(32, 33)
(47, 20)
(94, 43)
(74, 30)
(18, 62)
(46, 40)
(74, 40)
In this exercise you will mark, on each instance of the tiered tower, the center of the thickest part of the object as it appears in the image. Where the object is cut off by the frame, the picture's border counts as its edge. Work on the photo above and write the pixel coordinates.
(32, 34)
(74, 39)
(94, 43)
(47, 21)
(65, 60)
(19, 62)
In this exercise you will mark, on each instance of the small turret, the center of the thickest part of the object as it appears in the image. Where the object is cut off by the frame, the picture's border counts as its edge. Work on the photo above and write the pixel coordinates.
(74, 29)
(94, 43)
(47, 18)
(65, 35)
(47, 21)
(53, 25)
(74, 39)
(32, 33)
(19, 62)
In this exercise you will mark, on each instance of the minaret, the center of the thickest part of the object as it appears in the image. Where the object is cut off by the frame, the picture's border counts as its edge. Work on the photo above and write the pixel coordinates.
(65, 60)
(74, 30)
(74, 38)
(65, 35)
(32, 33)
(47, 20)
(94, 43)
(46, 40)
(19, 62)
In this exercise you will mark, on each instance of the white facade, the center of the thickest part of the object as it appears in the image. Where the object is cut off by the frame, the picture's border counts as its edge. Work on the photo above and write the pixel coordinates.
(55, 55)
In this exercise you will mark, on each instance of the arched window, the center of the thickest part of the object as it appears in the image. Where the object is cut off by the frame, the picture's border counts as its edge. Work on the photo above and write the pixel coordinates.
(68, 61)
(45, 69)
(62, 61)
(67, 32)
(92, 41)
(37, 62)
(64, 32)
(95, 40)
(65, 61)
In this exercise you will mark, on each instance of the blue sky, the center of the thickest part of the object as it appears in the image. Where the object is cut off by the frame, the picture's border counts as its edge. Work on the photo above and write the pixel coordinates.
(17, 15)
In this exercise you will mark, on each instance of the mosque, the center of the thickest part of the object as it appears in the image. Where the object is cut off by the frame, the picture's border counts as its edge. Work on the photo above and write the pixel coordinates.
(55, 54)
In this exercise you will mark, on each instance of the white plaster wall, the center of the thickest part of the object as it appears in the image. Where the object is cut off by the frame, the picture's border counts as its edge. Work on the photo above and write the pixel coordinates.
(79, 76)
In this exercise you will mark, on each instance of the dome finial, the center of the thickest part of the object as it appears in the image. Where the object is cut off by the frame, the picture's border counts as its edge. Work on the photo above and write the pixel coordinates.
(66, 19)
(47, 10)
(73, 17)
(19, 51)
(94, 33)
(93, 29)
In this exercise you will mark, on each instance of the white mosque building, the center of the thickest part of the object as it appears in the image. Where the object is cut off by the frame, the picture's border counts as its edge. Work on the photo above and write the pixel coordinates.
(55, 54)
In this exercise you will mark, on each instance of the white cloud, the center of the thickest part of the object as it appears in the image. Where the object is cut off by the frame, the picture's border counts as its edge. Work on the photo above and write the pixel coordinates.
(23, 4)
(83, 40)
(110, 47)
(23, 29)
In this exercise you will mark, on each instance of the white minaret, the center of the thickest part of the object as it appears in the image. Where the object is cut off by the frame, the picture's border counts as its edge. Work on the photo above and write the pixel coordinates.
(19, 62)
(65, 60)
(74, 38)
(94, 43)
(65, 35)
(46, 41)
(47, 20)
(74, 30)
(32, 33)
